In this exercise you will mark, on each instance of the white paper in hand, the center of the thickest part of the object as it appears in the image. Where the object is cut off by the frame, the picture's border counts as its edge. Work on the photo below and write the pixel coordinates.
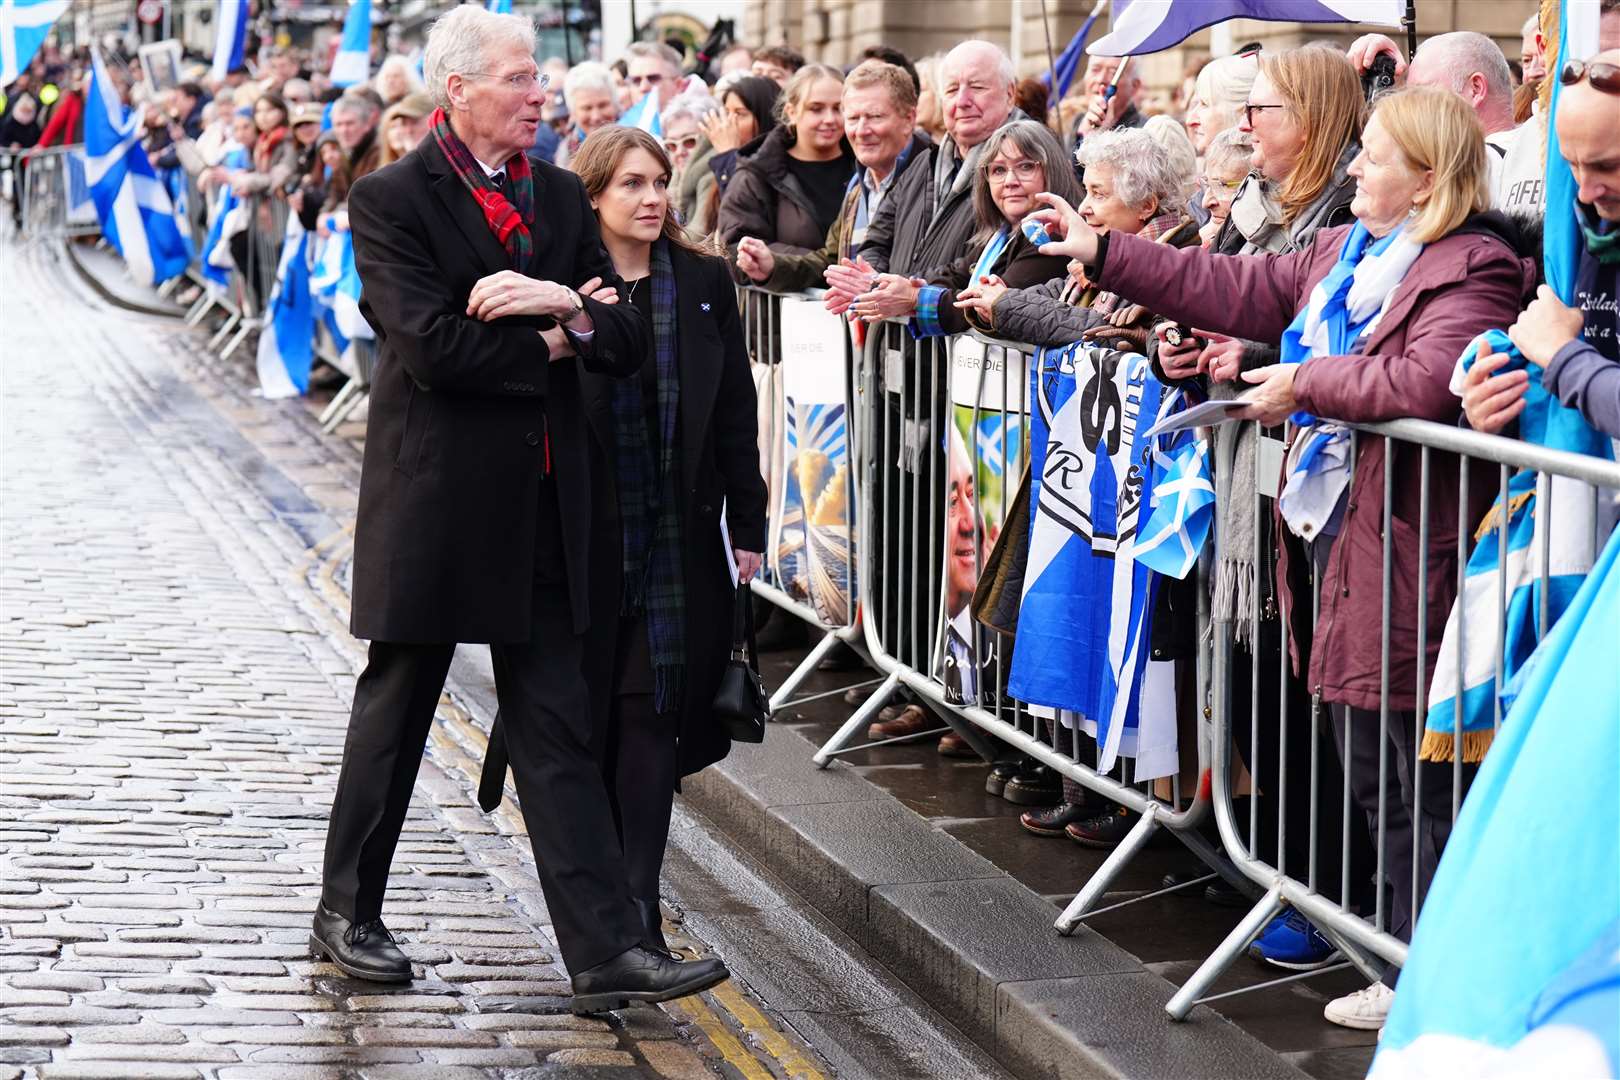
(1205, 415)
(725, 542)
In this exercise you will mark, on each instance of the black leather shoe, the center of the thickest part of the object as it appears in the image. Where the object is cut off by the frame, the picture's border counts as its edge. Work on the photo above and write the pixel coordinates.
(652, 925)
(1054, 819)
(1104, 830)
(1000, 774)
(639, 974)
(366, 951)
(1035, 785)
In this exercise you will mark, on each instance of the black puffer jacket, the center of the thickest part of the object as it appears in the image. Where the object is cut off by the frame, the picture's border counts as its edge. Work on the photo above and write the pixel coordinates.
(765, 199)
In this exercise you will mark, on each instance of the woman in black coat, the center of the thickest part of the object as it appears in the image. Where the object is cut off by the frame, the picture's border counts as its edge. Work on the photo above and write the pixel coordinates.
(683, 450)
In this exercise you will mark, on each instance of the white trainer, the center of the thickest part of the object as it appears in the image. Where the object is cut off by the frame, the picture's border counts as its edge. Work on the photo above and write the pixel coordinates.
(1365, 1010)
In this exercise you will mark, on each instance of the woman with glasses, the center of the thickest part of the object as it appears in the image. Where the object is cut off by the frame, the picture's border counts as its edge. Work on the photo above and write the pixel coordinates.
(684, 451)
(688, 149)
(1019, 160)
(1372, 318)
(1226, 166)
(788, 191)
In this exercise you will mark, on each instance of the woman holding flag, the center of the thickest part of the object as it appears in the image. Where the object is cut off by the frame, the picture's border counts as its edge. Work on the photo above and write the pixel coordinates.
(1373, 318)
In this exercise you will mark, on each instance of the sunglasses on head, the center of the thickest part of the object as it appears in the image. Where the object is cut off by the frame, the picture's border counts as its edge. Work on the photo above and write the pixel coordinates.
(1604, 77)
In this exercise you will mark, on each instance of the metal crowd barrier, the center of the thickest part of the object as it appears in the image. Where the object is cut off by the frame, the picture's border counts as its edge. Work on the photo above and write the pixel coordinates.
(763, 333)
(903, 407)
(53, 195)
(1482, 465)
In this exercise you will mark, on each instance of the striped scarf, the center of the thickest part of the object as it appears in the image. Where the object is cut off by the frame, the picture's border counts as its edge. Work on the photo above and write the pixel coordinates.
(649, 509)
(509, 223)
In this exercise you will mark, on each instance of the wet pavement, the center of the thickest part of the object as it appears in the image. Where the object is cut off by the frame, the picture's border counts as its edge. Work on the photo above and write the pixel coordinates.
(1171, 935)
(175, 674)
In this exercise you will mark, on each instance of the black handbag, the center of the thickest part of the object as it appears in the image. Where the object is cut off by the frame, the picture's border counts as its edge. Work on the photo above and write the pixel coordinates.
(741, 701)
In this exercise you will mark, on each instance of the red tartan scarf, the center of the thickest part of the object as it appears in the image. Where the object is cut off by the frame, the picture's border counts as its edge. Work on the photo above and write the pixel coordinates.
(509, 223)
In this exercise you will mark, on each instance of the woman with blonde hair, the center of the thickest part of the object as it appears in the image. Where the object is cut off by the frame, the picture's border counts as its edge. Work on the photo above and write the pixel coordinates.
(1372, 317)
(681, 441)
(1218, 95)
(930, 105)
(404, 124)
(789, 190)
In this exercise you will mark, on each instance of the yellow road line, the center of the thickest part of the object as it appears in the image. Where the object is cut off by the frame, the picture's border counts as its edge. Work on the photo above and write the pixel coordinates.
(797, 1065)
(730, 1048)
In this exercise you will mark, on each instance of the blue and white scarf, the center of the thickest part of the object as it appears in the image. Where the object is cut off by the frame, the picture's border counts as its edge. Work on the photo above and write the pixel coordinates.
(1344, 308)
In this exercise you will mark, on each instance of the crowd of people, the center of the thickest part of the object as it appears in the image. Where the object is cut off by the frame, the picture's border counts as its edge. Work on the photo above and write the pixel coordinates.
(1272, 232)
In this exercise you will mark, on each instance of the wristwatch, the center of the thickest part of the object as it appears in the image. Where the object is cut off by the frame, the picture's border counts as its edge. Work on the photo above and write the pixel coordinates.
(578, 306)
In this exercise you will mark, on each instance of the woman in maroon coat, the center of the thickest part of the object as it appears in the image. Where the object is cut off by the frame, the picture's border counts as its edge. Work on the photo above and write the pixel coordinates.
(1434, 272)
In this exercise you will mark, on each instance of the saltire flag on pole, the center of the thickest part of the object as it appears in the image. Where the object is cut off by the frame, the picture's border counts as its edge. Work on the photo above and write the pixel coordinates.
(137, 216)
(216, 247)
(1548, 524)
(352, 64)
(499, 7)
(1147, 26)
(644, 115)
(1514, 968)
(230, 37)
(1067, 65)
(24, 25)
(287, 339)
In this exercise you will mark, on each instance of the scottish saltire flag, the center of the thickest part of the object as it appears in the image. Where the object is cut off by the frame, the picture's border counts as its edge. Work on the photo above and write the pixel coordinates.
(644, 115)
(287, 339)
(1463, 698)
(499, 7)
(216, 248)
(230, 37)
(325, 271)
(1083, 626)
(137, 216)
(1183, 499)
(337, 285)
(1067, 65)
(1514, 968)
(352, 64)
(1146, 26)
(24, 26)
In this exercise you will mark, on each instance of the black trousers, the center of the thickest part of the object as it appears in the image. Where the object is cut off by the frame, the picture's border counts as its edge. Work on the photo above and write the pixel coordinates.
(551, 738)
(638, 760)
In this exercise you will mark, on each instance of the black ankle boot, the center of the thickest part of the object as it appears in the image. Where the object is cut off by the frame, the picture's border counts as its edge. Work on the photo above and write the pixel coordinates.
(366, 951)
(639, 974)
(652, 924)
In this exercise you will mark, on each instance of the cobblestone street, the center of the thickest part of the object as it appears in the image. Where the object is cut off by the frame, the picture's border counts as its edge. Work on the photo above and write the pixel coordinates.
(174, 685)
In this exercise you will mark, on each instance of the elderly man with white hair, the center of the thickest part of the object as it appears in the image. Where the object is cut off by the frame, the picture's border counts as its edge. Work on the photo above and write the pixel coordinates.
(482, 501)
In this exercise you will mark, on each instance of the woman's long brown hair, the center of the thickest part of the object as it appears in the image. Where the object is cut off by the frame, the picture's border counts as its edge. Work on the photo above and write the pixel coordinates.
(599, 158)
(1324, 95)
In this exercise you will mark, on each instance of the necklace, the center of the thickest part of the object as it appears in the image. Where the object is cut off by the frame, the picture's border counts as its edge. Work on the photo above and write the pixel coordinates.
(630, 296)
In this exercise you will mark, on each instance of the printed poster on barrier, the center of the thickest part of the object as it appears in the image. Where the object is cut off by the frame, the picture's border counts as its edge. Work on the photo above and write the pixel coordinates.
(984, 454)
(812, 541)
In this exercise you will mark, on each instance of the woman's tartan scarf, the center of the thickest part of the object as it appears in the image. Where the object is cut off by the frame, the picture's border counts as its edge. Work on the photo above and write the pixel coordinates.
(509, 224)
(649, 509)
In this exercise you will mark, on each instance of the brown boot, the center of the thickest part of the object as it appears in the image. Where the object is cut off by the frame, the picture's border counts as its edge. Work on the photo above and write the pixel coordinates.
(912, 720)
(953, 745)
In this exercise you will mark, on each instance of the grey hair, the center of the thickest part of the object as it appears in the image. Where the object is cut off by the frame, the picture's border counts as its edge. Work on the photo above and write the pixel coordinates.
(1231, 145)
(1463, 52)
(689, 105)
(654, 49)
(1531, 25)
(588, 75)
(461, 38)
(1033, 140)
(402, 64)
(1004, 64)
(1141, 167)
(355, 105)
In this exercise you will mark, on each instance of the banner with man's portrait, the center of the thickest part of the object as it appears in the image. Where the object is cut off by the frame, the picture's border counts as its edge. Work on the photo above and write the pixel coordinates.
(984, 458)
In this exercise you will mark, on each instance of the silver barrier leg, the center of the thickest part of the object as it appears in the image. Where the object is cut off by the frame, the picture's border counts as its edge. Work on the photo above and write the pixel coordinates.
(861, 717)
(806, 668)
(247, 327)
(1117, 860)
(340, 399)
(360, 398)
(1182, 1002)
(224, 331)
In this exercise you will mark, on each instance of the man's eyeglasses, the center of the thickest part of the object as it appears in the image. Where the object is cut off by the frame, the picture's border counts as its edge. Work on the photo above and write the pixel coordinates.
(1248, 110)
(1026, 170)
(647, 80)
(523, 81)
(1604, 77)
(688, 143)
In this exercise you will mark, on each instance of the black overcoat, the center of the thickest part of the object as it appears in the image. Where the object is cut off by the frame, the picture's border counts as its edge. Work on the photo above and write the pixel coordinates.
(444, 545)
(719, 437)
